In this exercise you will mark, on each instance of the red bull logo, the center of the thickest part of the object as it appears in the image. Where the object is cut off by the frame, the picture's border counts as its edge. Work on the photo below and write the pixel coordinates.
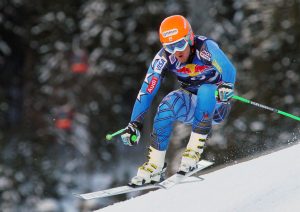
(193, 69)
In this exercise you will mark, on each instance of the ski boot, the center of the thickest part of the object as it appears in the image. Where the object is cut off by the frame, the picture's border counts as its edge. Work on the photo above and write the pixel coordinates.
(152, 171)
(192, 154)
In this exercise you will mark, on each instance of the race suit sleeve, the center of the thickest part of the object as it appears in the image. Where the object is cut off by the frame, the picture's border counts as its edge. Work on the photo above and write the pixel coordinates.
(221, 62)
(149, 87)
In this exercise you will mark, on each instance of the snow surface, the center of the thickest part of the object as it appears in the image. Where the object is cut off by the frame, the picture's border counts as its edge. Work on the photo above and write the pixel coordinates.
(268, 183)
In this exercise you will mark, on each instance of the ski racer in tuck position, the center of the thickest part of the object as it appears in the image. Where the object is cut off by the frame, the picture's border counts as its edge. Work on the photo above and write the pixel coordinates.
(201, 68)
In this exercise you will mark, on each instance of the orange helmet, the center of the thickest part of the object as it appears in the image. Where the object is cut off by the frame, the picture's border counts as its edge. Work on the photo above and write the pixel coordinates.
(174, 28)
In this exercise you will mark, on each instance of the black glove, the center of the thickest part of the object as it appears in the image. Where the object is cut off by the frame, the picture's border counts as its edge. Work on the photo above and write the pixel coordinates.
(132, 134)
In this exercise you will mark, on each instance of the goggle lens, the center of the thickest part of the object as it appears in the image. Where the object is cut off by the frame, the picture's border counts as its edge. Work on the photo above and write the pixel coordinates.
(177, 46)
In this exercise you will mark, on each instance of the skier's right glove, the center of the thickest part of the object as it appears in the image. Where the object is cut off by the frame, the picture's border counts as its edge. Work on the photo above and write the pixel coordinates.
(132, 134)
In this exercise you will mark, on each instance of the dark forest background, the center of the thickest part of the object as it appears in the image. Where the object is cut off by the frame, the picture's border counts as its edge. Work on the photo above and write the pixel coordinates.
(70, 72)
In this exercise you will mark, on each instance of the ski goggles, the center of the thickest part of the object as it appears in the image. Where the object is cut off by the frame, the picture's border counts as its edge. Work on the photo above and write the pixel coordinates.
(176, 46)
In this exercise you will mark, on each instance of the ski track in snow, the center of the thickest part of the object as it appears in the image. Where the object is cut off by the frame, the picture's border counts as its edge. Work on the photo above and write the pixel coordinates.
(270, 183)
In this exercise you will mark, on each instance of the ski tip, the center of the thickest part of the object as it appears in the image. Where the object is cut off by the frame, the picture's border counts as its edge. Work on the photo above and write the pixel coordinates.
(78, 196)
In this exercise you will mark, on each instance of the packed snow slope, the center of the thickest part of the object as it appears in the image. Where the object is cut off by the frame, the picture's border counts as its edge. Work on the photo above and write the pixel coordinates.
(267, 183)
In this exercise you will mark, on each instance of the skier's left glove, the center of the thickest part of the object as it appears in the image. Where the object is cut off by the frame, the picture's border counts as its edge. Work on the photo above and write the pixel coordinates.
(132, 134)
(225, 92)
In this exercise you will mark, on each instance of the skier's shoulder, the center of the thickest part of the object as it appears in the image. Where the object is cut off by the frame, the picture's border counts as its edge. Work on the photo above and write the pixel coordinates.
(160, 61)
(202, 41)
(206, 48)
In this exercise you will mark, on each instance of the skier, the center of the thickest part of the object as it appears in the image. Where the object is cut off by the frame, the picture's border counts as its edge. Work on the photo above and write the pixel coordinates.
(202, 69)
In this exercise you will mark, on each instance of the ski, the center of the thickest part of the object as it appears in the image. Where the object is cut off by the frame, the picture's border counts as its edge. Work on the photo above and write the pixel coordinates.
(116, 191)
(166, 184)
(181, 176)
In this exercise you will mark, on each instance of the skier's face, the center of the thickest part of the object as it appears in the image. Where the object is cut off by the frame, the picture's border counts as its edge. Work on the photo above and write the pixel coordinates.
(183, 56)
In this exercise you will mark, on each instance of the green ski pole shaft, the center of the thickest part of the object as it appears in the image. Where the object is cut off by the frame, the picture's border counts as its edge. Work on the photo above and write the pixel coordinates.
(110, 136)
(266, 107)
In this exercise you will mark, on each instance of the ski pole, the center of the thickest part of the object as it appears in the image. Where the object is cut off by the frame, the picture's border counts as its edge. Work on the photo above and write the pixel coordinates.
(266, 107)
(110, 136)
